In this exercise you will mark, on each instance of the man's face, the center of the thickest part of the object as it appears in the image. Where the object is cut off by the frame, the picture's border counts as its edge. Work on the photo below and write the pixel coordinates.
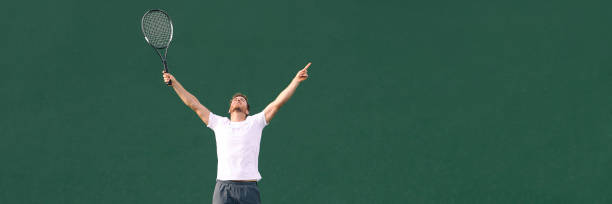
(239, 104)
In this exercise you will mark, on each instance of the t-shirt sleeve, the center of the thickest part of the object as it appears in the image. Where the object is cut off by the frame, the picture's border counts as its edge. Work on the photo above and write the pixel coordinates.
(260, 119)
(213, 120)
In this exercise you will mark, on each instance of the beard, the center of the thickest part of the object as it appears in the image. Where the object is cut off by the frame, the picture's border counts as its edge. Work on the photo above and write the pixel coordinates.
(237, 109)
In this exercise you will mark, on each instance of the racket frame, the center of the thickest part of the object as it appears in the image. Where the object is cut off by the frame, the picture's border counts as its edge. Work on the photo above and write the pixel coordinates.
(165, 48)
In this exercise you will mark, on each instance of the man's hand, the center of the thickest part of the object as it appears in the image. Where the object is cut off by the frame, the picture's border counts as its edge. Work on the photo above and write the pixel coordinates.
(302, 74)
(168, 77)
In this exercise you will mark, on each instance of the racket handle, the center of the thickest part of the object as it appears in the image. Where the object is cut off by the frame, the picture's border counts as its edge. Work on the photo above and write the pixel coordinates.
(169, 83)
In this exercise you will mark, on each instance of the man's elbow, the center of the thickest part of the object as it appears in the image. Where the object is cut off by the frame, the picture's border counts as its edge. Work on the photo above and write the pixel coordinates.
(278, 104)
(193, 105)
(274, 106)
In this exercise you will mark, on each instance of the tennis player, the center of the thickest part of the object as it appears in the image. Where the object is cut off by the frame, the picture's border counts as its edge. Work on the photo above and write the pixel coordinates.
(238, 140)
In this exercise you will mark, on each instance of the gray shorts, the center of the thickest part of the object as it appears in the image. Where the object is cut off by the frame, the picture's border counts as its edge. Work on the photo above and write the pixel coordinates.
(236, 192)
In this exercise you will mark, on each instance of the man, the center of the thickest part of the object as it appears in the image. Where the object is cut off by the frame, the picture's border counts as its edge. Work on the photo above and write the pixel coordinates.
(238, 140)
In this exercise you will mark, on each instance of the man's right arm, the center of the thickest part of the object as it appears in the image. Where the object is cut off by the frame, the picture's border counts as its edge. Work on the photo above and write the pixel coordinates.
(189, 100)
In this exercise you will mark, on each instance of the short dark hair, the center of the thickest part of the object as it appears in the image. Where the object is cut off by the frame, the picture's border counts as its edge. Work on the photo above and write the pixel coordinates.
(243, 96)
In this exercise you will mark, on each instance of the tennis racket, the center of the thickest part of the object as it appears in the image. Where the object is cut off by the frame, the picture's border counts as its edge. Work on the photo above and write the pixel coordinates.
(157, 30)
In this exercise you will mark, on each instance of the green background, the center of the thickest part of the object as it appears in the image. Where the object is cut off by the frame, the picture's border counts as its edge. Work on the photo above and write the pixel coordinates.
(407, 101)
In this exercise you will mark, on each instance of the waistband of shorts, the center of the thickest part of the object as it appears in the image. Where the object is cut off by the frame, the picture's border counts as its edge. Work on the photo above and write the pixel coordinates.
(237, 182)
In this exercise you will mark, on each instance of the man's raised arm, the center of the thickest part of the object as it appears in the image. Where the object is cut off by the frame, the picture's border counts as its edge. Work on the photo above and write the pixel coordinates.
(187, 98)
(284, 96)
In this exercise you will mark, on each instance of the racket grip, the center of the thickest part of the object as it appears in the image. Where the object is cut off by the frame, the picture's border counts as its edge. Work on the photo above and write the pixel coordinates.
(169, 83)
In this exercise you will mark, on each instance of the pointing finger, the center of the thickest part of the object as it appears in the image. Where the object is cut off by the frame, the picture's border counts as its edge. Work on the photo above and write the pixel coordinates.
(308, 65)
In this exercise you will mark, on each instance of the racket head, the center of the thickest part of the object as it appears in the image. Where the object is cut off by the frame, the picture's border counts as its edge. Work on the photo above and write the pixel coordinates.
(157, 28)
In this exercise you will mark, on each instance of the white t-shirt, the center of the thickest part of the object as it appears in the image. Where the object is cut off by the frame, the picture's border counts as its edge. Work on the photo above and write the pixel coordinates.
(237, 146)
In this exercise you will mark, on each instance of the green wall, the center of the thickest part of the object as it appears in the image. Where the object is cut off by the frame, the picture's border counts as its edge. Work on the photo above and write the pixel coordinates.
(407, 101)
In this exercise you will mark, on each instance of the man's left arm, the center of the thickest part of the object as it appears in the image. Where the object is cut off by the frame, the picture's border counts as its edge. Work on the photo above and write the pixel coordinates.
(284, 96)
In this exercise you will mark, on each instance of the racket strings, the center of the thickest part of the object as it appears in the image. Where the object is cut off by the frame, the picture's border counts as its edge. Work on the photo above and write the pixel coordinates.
(158, 29)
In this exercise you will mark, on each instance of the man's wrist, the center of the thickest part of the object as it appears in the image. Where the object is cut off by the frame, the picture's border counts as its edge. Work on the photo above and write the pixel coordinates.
(295, 81)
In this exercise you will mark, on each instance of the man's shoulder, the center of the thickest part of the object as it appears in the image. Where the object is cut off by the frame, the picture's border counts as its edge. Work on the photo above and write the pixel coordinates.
(258, 118)
(219, 117)
(255, 116)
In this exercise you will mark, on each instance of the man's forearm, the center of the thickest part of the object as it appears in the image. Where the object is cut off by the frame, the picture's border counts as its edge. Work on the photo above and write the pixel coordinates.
(187, 98)
(284, 96)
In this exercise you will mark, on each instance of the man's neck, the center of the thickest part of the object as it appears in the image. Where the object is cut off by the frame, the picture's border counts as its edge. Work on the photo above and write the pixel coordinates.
(237, 117)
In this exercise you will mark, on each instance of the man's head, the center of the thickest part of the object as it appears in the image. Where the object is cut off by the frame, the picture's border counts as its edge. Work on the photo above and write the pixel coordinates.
(239, 103)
